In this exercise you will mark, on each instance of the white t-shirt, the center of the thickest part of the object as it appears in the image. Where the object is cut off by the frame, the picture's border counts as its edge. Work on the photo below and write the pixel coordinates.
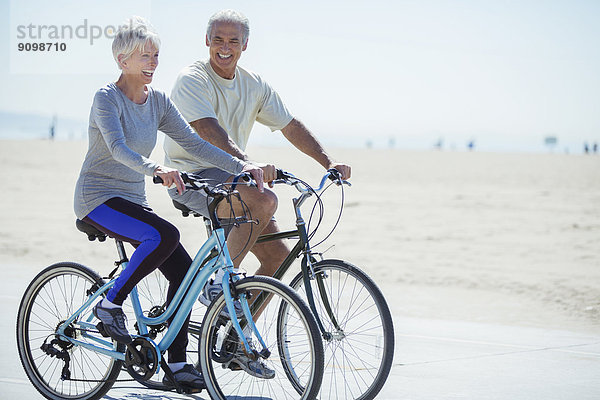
(236, 103)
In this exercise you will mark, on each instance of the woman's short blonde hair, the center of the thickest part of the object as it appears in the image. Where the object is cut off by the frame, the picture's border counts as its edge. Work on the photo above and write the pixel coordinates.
(132, 36)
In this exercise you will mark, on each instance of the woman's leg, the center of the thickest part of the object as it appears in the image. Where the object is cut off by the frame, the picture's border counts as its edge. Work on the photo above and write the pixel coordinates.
(154, 238)
(174, 269)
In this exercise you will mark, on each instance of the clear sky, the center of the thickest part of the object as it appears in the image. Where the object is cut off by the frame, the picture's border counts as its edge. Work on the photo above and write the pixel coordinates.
(501, 72)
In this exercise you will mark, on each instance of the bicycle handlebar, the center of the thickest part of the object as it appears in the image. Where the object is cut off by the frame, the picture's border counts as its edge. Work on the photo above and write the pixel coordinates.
(194, 182)
(289, 179)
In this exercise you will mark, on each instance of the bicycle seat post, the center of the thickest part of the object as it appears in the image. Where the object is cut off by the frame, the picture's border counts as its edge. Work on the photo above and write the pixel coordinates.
(121, 251)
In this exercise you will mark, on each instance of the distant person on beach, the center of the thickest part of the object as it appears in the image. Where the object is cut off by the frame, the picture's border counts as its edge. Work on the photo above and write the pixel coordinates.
(221, 101)
(53, 128)
(110, 192)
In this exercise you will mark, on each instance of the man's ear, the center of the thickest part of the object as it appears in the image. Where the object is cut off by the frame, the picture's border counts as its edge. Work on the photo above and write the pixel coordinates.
(207, 41)
(245, 45)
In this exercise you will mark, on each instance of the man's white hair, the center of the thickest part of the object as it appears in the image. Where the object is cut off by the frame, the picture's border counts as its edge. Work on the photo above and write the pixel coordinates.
(230, 16)
(132, 36)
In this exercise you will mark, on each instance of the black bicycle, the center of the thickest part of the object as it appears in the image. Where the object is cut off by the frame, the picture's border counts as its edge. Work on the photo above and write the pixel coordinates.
(351, 311)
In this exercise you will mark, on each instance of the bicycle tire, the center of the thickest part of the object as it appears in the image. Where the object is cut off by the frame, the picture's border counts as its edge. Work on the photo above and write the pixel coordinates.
(295, 346)
(357, 361)
(52, 296)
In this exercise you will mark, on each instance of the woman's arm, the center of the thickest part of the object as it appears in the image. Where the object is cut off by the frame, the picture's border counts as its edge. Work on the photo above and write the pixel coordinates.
(210, 130)
(106, 115)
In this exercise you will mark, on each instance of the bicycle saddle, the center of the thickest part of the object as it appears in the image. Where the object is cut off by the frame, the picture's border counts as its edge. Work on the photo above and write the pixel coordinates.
(91, 231)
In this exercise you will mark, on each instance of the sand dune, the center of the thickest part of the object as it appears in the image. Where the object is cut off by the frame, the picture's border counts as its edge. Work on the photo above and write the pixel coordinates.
(503, 238)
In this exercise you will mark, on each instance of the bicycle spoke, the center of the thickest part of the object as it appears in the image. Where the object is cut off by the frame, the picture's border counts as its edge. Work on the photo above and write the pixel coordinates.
(358, 355)
(285, 327)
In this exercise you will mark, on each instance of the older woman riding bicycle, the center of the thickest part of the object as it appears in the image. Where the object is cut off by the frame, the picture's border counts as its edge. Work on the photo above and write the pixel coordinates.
(110, 191)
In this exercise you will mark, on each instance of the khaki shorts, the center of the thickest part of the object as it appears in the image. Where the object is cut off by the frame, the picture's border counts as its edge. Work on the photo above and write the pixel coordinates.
(197, 200)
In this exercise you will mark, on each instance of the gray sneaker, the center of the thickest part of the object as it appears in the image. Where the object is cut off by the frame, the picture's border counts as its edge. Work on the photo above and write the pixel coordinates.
(211, 291)
(256, 368)
(188, 378)
(113, 320)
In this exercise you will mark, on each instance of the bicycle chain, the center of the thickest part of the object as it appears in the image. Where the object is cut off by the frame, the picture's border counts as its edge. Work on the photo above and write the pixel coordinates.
(99, 380)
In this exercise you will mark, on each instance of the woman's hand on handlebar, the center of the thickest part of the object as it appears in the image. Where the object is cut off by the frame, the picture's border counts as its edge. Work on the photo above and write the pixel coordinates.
(258, 175)
(169, 177)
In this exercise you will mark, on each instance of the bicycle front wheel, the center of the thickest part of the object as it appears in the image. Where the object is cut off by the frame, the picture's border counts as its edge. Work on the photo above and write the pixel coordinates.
(296, 350)
(359, 332)
(52, 297)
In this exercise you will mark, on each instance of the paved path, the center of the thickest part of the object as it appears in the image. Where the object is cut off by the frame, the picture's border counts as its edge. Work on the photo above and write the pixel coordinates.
(434, 360)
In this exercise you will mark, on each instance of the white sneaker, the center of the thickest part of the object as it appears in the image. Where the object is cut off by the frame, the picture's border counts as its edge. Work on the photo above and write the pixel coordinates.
(211, 291)
(256, 368)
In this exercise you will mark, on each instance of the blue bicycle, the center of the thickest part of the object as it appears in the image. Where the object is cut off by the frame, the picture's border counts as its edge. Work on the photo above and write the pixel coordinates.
(66, 356)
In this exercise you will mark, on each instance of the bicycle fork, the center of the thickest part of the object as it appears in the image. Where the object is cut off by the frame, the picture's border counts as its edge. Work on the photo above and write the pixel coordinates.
(229, 302)
(308, 273)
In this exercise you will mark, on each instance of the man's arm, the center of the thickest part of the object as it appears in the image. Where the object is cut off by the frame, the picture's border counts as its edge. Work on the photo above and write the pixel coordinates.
(210, 130)
(303, 139)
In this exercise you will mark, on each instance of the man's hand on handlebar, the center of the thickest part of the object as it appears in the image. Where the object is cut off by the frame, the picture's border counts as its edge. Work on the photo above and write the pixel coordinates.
(343, 169)
(258, 175)
(169, 177)
(269, 172)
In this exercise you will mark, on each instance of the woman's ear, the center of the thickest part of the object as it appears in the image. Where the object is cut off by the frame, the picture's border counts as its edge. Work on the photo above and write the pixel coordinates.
(122, 62)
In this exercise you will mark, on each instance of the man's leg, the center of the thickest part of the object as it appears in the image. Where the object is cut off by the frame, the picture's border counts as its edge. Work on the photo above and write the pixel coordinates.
(270, 254)
(242, 238)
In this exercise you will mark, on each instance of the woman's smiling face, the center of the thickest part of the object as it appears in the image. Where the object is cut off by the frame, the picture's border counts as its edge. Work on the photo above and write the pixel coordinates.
(141, 64)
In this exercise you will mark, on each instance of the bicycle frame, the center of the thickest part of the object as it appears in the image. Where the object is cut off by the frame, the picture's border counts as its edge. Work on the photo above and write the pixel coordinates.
(205, 263)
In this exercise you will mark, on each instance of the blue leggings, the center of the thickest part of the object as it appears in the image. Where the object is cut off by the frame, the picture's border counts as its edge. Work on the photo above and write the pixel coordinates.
(157, 246)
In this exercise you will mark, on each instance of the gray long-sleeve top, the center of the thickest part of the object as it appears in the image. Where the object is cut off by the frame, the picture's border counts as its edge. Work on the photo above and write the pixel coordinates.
(122, 134)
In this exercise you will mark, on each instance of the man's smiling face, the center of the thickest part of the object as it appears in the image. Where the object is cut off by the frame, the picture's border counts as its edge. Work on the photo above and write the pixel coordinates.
(225, 44)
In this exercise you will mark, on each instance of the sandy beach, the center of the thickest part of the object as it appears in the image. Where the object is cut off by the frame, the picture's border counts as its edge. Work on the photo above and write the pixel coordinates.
(509, 239)
(490, 262)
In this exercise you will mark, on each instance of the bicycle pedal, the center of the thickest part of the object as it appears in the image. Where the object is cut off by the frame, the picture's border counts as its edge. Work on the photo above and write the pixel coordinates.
(100, 327)
(190, 390)
(233, 366)
(264, 353)
(182, 389)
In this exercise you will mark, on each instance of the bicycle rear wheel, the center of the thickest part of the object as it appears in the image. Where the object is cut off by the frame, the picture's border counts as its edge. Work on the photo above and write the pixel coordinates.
(53, 296)
(295, 346)
(359, 340)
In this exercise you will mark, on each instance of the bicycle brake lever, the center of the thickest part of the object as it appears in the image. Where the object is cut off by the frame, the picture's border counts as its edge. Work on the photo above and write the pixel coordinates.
(336, 176)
